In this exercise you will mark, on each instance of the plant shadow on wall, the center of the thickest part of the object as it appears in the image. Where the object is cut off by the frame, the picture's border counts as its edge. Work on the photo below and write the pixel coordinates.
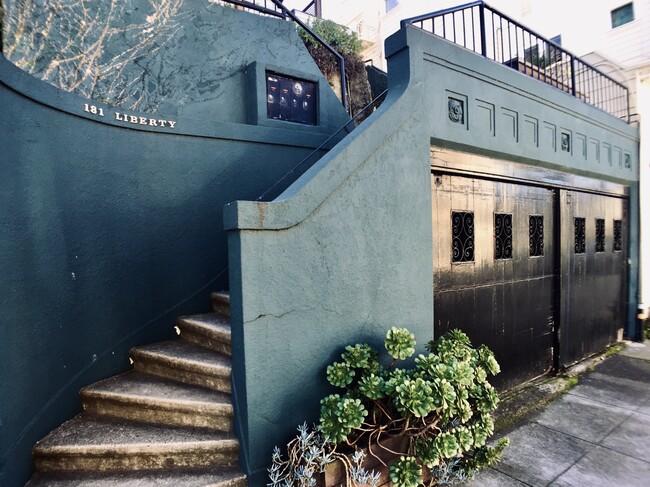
(108, 51)
(439, 410)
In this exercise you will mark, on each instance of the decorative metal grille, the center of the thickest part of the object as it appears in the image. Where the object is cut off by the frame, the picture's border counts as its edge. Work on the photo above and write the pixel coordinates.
(462, 232)
(502, 236)
(600, 235)
(580, 244)
(536, 235)
(618, 235)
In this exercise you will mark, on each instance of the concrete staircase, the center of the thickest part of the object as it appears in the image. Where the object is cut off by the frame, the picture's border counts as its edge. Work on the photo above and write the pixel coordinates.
(167, 422)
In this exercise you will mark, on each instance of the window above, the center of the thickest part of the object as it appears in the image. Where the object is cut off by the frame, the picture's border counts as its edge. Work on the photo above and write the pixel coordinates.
(622, 15)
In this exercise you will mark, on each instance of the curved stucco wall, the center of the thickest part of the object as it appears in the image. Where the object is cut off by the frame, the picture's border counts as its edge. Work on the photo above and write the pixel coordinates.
(112, 226)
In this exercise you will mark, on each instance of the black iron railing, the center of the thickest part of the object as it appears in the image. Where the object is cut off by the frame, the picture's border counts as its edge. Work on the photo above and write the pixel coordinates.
(277, 9)
(312, 8)
(267, 7)
(282, 183)
(486, 31)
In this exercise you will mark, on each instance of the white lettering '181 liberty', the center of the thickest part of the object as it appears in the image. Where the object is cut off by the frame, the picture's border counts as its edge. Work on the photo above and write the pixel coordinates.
(131, 119)
(150, 122)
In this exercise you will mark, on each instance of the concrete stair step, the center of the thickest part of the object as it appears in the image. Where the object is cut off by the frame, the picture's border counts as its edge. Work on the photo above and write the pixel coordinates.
(93, 443)
(208, 330)
(221, 303)
(184, 362)
(226, 477)
(146, 398)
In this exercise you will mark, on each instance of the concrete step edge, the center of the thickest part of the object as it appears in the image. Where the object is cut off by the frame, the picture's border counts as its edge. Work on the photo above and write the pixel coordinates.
(214, 477)
(205, 400)
(175, 353)
(210, 331)
(221, 302)
(212, 410)
(89, 442)
(211, 324)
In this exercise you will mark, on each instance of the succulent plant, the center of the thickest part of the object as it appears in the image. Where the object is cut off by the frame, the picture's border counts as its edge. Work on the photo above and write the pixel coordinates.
(441, 404)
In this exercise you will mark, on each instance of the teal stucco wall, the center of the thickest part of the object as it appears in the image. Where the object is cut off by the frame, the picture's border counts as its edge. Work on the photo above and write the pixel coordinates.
(111, 226)
(346, 252)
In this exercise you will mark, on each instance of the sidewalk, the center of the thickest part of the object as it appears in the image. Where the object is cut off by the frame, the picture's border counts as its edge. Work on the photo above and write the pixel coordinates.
(596, 435)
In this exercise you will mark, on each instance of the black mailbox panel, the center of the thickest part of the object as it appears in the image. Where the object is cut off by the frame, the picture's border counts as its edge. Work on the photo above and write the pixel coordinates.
(291, 99)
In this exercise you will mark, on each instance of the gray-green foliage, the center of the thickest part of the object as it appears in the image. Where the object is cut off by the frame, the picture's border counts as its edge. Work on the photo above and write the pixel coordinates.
(442, 406)
(348, 45)
(337, 36)
(307, 455)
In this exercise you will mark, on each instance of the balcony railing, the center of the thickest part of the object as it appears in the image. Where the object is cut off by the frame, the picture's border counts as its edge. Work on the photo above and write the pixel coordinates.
(478, 27)
(277, 9)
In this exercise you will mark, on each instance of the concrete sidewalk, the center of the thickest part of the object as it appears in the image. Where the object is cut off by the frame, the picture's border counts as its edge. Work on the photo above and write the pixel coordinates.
(598, 434)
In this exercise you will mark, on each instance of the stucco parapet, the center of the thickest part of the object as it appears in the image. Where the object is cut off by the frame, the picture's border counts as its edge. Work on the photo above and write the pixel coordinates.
(48, 95)
(321, 180)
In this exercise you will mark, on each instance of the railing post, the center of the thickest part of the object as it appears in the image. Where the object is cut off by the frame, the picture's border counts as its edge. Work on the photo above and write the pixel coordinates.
(344, 87)
(481, 11)
(573, 75)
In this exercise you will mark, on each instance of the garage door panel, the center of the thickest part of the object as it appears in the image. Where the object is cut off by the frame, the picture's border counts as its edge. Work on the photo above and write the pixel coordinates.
(593, 277)
(501, 299)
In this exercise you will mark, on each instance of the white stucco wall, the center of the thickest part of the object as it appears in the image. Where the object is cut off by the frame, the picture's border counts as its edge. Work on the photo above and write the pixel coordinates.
(643, 96)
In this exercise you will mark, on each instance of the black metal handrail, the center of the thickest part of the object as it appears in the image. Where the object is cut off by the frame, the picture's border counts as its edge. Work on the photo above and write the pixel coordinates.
(312, 8)
(277, 9)
(272, 190)
(494, 35)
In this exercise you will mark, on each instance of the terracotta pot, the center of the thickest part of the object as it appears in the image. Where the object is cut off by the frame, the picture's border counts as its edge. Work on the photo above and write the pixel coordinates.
(386, 451)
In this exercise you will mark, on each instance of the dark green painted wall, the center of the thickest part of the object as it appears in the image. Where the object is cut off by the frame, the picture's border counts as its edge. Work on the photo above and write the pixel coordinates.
(109, 229)
(347, 251)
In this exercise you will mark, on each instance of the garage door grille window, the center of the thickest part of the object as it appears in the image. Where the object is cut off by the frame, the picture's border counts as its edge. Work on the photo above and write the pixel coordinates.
(618, 235)
(580, 243)
(600, 235)
(536, 235)
(462, 231)
(502, 236)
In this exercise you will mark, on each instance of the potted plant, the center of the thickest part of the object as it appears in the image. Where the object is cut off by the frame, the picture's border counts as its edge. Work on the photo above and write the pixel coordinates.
(424, 424)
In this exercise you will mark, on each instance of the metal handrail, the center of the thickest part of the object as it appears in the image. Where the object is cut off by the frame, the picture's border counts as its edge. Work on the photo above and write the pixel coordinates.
(321, 146)
(555, 65)
(260, 6)
(344, 89)
(280, 10)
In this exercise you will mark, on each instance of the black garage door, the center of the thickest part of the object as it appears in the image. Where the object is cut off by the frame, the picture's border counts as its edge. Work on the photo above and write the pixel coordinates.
(494, 273)
(535, 273)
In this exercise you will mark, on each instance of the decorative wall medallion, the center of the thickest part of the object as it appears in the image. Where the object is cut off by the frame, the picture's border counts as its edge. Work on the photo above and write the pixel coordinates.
(456, 110)
(566, 142)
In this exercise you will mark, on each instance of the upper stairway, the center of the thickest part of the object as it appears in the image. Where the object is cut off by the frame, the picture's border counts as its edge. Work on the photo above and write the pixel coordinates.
(167, 422)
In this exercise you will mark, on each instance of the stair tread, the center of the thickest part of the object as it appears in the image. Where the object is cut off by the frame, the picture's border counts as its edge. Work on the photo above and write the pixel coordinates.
(185, 354)
(210, 322)
(223, 477)
(221, 302)
(221, 294)
(89, 433)
(137, 387)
